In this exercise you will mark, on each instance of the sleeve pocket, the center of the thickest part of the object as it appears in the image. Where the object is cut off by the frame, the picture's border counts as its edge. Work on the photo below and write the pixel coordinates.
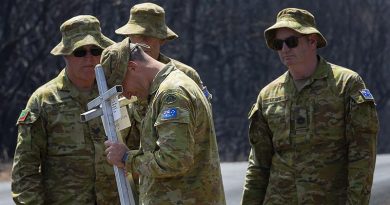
(363, 114)
(25, 122)
(359, 99)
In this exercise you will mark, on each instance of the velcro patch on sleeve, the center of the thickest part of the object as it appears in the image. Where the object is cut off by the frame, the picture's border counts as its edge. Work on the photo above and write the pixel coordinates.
(366, 94)
(170, 113)
(171, 98)
(23, 115)
(206, 93)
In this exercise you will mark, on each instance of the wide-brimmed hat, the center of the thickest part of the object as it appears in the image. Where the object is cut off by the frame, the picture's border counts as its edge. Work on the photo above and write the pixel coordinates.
(115, 59)
(80, 31)
(298, 20)
(147, 19)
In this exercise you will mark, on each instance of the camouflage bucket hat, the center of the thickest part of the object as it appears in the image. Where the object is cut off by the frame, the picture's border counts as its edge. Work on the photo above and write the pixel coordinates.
(80, 31)
(115, 59)
(147, 19)
(298, 20)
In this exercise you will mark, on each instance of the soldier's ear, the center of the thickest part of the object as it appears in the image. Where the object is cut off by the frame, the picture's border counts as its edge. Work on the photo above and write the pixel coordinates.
(131, 66)
(313, 40)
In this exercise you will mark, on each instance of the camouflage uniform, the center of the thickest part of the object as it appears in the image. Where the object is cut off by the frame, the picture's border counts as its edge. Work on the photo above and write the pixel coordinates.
(315, 145)
(137, 109)
(178, 161)
(59, 160)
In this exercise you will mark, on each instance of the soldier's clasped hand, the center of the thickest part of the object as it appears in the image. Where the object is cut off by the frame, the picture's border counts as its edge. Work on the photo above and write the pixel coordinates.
(115, 153)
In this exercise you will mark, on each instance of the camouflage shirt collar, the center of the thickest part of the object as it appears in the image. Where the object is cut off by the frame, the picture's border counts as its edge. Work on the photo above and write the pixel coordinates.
(64, 83)
(164, 59)
(322, 70)
(160, 77)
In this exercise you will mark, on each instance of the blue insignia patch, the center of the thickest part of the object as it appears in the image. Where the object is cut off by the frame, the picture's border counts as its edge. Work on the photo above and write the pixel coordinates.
(170, 113)
(206, 93)
(366, 94)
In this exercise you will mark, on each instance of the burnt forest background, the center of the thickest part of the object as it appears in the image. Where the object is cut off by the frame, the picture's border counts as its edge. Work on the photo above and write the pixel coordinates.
(222, 39)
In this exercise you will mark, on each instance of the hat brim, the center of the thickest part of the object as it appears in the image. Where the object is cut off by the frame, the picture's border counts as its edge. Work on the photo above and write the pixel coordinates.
(164, 33)
(270, 32)
(89, 39)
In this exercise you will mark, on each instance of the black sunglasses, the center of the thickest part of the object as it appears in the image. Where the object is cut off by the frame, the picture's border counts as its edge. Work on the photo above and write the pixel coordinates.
(81, 52)
(291, 42)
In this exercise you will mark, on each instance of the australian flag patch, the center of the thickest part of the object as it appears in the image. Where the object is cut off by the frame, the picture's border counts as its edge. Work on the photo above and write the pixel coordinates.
(207, 93)
(170, 113)
(366, 94)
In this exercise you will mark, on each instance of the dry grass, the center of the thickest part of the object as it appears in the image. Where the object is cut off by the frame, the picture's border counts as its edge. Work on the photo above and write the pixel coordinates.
(5, 171)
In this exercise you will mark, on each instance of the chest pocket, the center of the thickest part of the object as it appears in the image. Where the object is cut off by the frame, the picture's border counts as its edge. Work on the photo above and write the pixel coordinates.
(328, 117)
(65, 131)
(277, 113)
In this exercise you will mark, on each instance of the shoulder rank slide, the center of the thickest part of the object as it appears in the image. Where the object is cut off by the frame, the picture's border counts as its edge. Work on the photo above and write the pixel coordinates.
(366, 94)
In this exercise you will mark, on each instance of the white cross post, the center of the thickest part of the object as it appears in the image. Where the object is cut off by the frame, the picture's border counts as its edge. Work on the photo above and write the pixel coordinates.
(106, 105)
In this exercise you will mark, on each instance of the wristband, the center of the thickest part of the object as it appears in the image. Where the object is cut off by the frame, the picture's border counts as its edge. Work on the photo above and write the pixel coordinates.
(124, 158)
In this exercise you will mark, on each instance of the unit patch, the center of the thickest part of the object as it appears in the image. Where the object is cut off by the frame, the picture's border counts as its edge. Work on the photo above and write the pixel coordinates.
(23, 115)
(170, 113)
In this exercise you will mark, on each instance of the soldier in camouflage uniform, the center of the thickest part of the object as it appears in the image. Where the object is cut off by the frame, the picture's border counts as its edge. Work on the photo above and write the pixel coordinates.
(147, 25)
(178, 161)
(59, 160)
(312, 130)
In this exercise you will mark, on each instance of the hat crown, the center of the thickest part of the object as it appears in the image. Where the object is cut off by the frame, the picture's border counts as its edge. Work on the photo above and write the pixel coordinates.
(80, 31)
(147, 19)
(80, 26)
(148, 14)
(299, 20)
(301, 16)
(147, 9)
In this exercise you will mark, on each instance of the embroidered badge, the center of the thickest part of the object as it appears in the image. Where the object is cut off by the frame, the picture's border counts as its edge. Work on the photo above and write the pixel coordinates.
(366, 94)
(170, 99)
(23, 115)
(170, 113)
